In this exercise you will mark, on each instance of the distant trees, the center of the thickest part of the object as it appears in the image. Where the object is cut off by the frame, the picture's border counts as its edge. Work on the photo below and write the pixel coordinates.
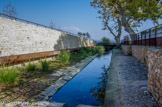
(106, 40)
(10, 10)
(51, 25)
(84, 35)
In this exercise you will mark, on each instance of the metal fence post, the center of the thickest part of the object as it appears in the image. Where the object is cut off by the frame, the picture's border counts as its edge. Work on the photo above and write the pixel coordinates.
(155, 36)
(149, 37)
(141, 39)
(145, 38)
(138, 39)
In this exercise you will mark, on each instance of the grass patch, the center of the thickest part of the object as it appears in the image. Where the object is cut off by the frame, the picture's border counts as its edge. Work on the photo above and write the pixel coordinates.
(9, 77)
(58, 64)
(31, 67)
(45, 65)
(39, 79)
(86, 51)
(77, 57)
(64, 56)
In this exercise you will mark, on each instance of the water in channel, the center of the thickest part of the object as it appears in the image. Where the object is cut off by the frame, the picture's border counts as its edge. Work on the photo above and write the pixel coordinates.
(88, 86)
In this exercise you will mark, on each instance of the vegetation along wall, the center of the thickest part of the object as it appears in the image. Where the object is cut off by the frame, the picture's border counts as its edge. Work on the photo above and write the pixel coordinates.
(152, 58)
(20, 41)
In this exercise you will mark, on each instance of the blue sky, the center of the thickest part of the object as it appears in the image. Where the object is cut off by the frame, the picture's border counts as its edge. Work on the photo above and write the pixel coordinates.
(69, 15)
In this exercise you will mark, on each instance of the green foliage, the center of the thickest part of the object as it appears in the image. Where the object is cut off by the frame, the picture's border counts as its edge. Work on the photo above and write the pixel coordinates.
(31, 67)
(106, 40)
(86, 51)
(100, 49)
(64, 56)
(84, 35)
(45, 65)
(139, 10)
(9, 77)
(130, 13)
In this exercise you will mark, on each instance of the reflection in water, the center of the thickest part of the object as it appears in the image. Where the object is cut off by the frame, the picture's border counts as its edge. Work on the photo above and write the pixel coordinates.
(99, 91)
(104, 54)
(77, 91)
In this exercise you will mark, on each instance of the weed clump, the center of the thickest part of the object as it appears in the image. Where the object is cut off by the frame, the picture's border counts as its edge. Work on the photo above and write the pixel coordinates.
(9, 77)
(45, 65)
(31, 67)
(64, 56)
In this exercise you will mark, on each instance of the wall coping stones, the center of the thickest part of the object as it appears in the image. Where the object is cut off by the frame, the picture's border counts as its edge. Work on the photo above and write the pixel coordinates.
(81, 105)
(156, 49)
(33, 104)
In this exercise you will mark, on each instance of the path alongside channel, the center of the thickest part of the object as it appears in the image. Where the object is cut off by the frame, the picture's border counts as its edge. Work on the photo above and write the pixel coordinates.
(127, 83)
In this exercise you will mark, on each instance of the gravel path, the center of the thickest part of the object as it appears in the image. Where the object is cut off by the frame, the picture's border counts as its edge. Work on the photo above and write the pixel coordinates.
(127, 83)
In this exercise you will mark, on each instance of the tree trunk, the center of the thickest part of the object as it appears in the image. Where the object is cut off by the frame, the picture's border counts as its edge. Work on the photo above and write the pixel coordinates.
(117, 38)
(128, 28)
(125, 22)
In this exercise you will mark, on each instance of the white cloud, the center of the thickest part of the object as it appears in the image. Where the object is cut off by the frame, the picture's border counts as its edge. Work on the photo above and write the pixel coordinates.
(72, 29)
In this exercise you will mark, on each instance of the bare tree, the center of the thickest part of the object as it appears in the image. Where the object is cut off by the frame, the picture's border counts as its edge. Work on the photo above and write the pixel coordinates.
(51, 25)
(10, 10)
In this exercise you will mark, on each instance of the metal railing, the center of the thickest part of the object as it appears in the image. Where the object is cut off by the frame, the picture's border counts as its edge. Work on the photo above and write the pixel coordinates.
(149, 37)
(33, 23)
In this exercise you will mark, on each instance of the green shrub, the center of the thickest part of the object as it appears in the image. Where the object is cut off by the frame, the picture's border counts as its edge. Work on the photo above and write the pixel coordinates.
(64, 56)
(87, 51)
(100, 49)
(9, 77)
(83, 50)
(45, 65)
(31, 67)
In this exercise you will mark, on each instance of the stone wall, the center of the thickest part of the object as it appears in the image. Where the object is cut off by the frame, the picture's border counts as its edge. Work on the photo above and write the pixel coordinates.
(17, 38)
(140, 53)
(127, 49)
(155, 73)
(152, 58)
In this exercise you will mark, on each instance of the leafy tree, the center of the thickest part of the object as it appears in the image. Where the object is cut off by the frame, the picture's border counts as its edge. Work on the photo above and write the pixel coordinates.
(80, 34)
(131, 12)
(106, 40)
(84, 35)
(88, 35)
(111, 23)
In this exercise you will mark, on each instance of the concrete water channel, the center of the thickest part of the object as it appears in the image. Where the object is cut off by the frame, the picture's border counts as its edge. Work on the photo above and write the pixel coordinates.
(88, 86)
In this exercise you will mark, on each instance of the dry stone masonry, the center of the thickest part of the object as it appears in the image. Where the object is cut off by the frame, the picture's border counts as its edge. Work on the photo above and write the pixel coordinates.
(155, 73)
(152, 58)
(140, 53)
(127, 49)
